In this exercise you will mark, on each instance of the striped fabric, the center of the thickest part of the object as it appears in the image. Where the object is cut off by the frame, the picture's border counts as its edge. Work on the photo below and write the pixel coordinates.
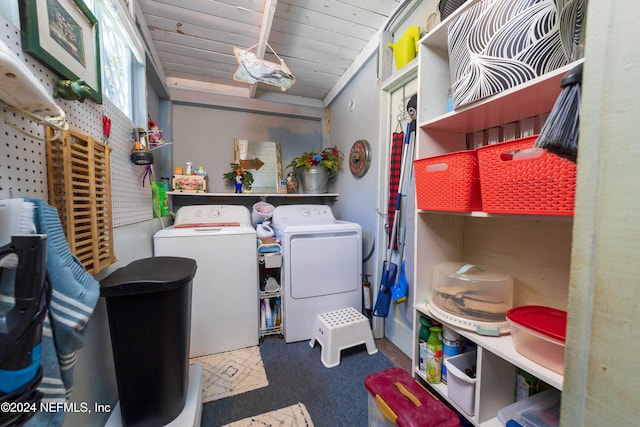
(75, 294)
(394, 182)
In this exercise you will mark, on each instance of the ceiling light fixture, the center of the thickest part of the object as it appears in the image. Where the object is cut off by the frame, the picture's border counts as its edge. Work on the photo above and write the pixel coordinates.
(252, 69)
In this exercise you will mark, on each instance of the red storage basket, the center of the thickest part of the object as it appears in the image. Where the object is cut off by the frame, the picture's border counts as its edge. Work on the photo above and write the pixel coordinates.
(537, 182)
(449, 182)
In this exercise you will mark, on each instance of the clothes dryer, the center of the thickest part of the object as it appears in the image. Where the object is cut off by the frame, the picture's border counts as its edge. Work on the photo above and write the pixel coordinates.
(322, 265)
(222, 241)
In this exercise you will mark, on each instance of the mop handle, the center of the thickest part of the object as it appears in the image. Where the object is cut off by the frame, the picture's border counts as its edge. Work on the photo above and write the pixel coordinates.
(403, 166)
(405, 184)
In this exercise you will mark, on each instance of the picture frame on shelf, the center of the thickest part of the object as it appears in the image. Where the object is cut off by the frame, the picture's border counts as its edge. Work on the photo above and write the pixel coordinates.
(63, 35)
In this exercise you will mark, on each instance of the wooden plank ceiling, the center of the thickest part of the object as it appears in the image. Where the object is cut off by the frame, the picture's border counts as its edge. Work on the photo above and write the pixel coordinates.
(317, 39)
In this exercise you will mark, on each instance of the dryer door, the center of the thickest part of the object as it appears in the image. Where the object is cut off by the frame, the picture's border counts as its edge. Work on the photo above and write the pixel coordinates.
(324, 264)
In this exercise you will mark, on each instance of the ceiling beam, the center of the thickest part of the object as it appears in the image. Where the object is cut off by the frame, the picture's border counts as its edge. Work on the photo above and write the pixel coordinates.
(265, 30)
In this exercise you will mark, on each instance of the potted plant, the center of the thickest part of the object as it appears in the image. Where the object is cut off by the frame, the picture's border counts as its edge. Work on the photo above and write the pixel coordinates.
(242, 178)
(315, 168)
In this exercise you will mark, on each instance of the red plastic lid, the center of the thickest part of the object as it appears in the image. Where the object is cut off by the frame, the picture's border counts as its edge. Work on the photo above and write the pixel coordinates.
(543, 320)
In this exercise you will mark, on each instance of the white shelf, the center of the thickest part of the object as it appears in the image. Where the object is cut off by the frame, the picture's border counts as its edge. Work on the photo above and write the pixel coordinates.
(478, 214)
(437, 38)
(442, 390)
(401, 77)
(227, 195)
(502, 346)
(507, 106)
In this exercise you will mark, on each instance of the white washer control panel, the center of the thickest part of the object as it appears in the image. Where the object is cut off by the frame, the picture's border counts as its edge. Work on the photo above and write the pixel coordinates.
(202, 214)
(302, 215)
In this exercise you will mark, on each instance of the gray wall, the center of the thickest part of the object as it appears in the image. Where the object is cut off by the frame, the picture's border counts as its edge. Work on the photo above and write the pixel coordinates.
(204, 135)
(358, 196)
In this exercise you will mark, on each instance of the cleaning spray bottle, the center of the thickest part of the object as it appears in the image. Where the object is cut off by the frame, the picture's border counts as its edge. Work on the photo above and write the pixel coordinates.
(422, 343)
(434, 355)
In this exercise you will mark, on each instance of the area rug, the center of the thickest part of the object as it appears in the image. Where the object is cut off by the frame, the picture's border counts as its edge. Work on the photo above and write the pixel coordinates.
(291, 416)
(230, 373)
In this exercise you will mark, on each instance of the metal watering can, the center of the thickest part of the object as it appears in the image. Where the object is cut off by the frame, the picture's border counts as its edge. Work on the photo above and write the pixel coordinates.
(405, 49)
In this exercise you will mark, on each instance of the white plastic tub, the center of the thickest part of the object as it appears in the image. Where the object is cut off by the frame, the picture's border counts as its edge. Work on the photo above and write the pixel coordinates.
(461, 388)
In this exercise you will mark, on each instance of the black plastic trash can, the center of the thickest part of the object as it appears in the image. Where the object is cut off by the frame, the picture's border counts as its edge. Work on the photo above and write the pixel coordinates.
(149, 310)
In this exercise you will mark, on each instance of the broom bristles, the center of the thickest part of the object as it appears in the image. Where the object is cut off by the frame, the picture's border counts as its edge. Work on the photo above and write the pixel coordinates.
(560, 133)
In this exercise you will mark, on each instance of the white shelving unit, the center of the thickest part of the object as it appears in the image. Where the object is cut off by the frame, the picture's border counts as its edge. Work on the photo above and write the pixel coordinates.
(264, 294)
(534, 249)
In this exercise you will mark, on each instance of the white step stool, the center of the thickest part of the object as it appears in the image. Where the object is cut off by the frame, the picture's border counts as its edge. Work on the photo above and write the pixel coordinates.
(340, 329)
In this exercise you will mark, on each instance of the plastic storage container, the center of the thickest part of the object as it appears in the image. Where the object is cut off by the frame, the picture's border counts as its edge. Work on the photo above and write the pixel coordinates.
(461, 388)
(539, 410)
(149, 310)
(449, 182)
(395, 398)
(519, 180)
(472, 291)
(539, 334)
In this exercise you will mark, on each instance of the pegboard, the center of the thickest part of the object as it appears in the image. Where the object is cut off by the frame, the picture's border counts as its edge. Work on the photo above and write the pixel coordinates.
(23, 169)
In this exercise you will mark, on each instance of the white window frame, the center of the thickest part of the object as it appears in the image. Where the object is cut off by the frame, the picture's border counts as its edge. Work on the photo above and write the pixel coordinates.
(118, 14)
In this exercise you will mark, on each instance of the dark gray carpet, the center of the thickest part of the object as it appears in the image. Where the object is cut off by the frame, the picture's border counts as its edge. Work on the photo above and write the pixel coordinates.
(334, 397)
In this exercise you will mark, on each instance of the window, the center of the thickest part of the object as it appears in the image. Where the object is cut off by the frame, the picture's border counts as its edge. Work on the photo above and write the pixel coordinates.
(123, 76)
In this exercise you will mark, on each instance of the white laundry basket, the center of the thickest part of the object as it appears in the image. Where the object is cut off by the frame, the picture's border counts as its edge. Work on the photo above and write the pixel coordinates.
(261, 211)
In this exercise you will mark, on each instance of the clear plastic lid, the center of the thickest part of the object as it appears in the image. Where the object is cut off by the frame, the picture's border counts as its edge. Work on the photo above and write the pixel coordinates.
(471, 272)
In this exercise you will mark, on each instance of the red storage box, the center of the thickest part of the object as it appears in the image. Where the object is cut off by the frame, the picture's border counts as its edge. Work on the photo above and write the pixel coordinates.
(520, 179)
(449, 182)
(395, 398)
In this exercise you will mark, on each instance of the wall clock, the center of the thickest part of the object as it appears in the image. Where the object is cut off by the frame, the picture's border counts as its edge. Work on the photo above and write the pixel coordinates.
(360, 157)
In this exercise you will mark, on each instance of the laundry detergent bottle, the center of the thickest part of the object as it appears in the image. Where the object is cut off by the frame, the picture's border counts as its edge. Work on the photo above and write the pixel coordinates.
(434, 355)
(264, 230)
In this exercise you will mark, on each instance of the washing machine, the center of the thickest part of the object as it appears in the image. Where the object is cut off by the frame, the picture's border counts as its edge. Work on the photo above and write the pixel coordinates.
(222, 241)
(322, 265)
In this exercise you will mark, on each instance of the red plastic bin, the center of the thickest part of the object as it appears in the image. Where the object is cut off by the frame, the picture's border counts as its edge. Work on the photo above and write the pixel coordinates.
(449, 182)
(396, 399)
(525, 182)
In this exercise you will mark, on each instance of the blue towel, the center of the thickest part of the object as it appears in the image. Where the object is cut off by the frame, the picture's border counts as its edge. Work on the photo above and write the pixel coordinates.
(75, 294)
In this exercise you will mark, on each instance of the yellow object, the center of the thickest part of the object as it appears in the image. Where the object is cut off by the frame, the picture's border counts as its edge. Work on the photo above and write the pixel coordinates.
(385, 409)
(327, 120)
(405, 49)
(406, 393)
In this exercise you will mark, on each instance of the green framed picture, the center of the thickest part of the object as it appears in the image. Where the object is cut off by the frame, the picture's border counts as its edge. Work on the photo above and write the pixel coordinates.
(63, 35)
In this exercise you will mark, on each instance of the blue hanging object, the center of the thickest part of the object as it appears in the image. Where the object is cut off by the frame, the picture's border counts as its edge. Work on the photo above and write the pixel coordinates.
(399, 290)
(383, 301)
